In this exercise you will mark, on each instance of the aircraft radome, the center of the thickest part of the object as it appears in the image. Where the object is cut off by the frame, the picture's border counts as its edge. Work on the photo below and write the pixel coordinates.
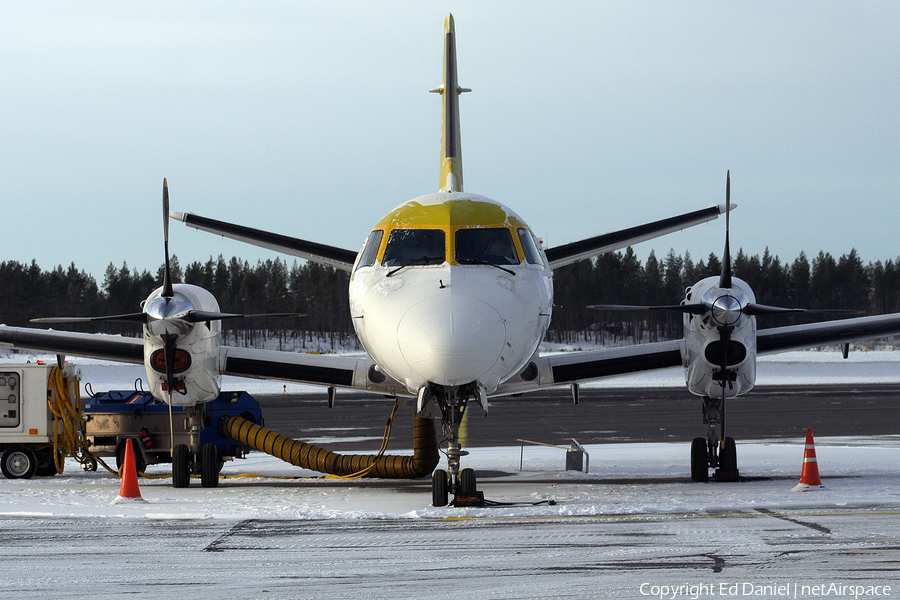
(451, 294)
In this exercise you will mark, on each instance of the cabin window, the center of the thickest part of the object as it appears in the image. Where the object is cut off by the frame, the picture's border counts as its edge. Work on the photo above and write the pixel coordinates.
(485, 246)
(370, 250)
(529, 245)
(414, 247)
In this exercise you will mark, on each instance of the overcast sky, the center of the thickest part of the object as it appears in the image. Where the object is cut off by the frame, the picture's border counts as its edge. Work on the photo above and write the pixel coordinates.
(313, 120)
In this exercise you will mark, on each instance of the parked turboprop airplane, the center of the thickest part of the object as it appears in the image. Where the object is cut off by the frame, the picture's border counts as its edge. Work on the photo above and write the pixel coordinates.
(450, 295)
(720, 348)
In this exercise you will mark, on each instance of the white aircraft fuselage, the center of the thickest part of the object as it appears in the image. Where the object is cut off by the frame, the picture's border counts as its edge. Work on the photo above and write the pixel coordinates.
(451, 288)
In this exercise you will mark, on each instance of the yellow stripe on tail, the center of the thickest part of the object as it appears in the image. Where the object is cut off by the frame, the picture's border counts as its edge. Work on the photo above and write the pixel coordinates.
(451, 150)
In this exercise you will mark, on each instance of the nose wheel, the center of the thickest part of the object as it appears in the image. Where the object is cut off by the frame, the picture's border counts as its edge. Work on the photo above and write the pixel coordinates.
(466, 487)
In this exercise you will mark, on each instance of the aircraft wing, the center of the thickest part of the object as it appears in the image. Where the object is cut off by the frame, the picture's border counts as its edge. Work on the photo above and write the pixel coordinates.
(316, 369)
(576, 367)
(325, 370)
(610, 242)
(88, 345)
(338, 258)
(812, 335)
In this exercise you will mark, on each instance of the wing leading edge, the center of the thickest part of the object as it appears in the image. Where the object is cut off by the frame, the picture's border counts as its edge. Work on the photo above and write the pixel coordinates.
(811, 335)
(330, 371)
(88, 345)
(577, 367)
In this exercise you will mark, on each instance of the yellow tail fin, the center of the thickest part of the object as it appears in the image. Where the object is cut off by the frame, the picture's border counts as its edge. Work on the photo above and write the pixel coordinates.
(451, 150)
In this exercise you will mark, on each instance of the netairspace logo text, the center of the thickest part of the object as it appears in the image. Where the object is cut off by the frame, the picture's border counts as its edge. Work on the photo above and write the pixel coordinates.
(696, 591)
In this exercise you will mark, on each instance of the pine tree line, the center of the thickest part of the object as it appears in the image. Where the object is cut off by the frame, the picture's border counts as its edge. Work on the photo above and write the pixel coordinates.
(26, 291)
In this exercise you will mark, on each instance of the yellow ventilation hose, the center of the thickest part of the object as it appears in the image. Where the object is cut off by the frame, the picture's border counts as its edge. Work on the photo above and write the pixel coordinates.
(423, 461)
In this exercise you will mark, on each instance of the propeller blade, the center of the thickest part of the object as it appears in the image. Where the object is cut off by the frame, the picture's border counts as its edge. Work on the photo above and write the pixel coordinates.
(168, 291)
(169, 349)
(129, 317)
(694, 309)
(725, 278)
(198, 316)
(724, 342)
(762, 309)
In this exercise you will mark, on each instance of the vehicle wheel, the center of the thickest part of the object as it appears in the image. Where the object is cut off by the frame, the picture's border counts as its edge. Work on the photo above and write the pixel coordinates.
(209, 465)
(467, 482)
(699, 460)
(86, 460)
(181, 466)
(46, 466)
(439, 495)
(728, 457)
(139, 464)
(18, 462)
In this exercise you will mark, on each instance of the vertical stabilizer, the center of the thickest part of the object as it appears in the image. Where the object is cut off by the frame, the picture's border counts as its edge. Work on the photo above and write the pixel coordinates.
(451, 151)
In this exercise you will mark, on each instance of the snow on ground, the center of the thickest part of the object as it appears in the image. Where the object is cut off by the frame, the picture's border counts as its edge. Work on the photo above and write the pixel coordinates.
(624, 479)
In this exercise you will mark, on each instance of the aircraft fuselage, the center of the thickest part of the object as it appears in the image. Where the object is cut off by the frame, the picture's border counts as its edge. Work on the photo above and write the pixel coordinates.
(452, 289)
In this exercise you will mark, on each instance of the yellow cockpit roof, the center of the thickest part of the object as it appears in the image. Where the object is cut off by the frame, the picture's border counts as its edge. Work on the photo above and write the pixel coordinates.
(451, 213)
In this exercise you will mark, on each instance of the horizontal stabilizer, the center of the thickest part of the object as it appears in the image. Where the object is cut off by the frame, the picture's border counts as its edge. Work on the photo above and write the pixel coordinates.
(338, 258)
(618, 240)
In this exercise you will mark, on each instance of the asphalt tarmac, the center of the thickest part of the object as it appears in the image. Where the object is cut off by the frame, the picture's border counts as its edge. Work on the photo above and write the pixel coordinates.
(357, 421)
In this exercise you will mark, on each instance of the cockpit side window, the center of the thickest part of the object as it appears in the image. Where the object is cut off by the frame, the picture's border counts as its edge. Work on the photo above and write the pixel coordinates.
(491, 246)
(370, 252)
(414, 247)
(532, 254)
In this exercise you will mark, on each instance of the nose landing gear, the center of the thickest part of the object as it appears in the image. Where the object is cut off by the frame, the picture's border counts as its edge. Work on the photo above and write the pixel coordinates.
(714, 452)
(196, 459)
(452, 402)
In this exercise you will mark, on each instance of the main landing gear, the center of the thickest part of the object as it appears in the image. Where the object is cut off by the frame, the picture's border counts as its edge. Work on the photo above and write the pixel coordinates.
(452, 402)
(196, 459)
(714, 452)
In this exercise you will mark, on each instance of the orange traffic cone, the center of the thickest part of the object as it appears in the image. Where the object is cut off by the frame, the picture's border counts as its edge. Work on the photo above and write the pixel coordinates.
(809, 476)
(129, 490)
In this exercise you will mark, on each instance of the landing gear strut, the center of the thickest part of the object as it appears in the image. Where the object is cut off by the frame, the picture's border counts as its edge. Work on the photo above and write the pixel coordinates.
(452, 402)
(714, 452)
(195, 459)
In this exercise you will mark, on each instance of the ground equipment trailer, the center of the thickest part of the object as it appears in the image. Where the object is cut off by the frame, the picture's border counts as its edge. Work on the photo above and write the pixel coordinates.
(35, 418)
(115, 416)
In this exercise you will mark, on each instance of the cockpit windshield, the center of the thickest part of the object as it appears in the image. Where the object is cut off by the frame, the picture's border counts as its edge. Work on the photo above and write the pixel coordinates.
(414, 247)
(493, 246)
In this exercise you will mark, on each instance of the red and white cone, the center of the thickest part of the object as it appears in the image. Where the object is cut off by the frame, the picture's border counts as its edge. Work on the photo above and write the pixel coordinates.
(809, 476)
(129, 491)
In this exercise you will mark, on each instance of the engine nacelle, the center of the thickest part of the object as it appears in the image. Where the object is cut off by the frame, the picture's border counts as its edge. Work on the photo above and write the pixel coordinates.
(703, 334)
(196, 364)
